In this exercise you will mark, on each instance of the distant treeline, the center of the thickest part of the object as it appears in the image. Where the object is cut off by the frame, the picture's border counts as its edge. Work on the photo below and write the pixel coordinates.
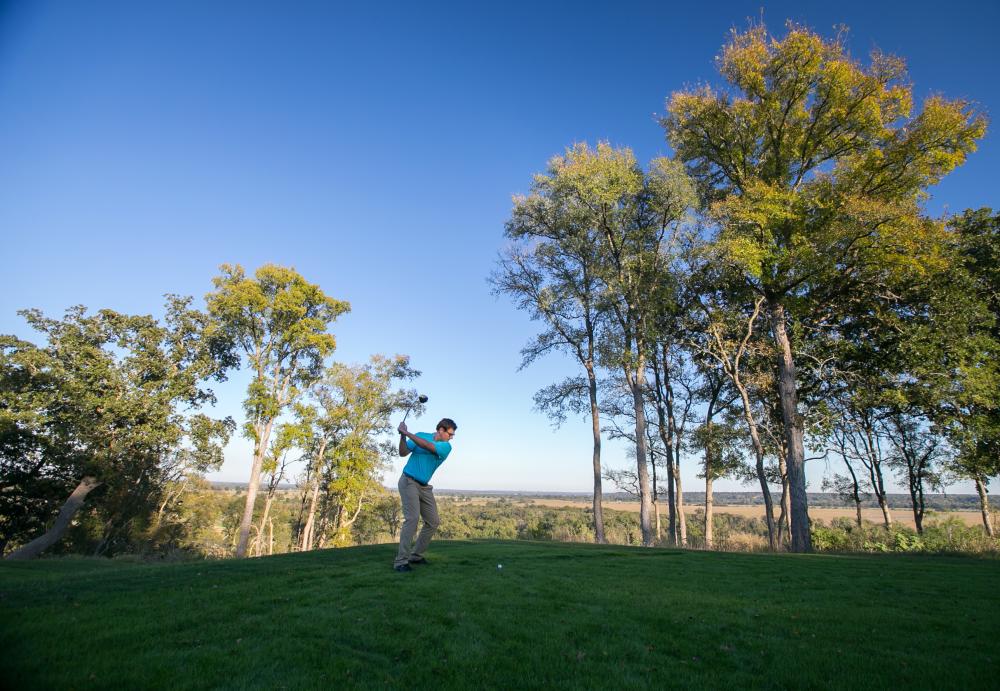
(933, 502)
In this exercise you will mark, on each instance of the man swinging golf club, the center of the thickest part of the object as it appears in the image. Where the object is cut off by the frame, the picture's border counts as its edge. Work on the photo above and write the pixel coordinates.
(426, 451)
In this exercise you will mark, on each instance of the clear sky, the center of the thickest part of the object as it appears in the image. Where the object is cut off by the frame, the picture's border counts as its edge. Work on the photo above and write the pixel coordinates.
(376, 151)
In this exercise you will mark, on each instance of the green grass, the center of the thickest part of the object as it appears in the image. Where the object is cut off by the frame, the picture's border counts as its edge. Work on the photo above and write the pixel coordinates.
(556, 616)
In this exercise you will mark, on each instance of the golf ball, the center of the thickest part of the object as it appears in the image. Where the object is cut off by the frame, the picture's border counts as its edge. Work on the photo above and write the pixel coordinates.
(499, 566)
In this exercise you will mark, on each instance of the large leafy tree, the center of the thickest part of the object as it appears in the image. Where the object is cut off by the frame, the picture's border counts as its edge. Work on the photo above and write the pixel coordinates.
(350, 443)
(813, 167)
(969, 410)
(108, 403)
(278, 322)
(551, 271)
(633, 217)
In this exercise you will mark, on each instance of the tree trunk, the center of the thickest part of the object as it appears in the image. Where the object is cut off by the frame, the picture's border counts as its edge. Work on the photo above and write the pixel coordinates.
(709, 470)
(886, 514)
(878, 484)
(681, 519)
(345, 524)
(665, 436)
(874, 466)
(66, 513)
(708, 510)
(758, 448)
(338, 519)
(595, 418)
(258, 463)
(307, 532)
(984, 506)
(673, 442)
(306, 539)
(916, 496)
(656, 514)
(732, 370)
(656, 494)
(784, 517)
(793, 427)
(856, 496)
(671, 503)
(163, 506)
(637, 384)
(263, 520)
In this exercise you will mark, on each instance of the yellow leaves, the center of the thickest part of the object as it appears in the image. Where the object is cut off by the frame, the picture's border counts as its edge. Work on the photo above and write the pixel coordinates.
(672, 190)
(761, 65)
(745, 59)
(814, 160)
(801, 52)
(744, 252)
(946, 132)
(760, 210)
(752, 224)
(602, 176)
(915, 154)
(912, 247)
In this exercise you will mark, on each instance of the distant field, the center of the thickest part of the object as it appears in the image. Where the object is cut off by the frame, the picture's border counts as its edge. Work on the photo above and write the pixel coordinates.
(902, 516)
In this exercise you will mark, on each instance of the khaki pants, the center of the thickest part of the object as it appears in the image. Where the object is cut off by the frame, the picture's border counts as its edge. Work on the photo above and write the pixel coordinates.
(418, 502)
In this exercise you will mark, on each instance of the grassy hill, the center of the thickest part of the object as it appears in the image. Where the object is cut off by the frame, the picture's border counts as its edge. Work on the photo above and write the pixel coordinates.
(556, 615)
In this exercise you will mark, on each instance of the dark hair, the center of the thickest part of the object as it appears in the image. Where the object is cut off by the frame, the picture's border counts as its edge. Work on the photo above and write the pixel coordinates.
(447, 423)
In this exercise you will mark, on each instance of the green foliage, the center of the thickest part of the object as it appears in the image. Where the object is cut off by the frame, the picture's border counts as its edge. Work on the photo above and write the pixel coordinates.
(941, 536)
(347, 442)
(812, 168)
(506, 520)
(970, 410)
(279, 322)
(111, 396)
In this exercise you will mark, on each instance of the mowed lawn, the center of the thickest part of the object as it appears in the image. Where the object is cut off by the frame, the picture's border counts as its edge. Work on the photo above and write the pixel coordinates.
(555, 616)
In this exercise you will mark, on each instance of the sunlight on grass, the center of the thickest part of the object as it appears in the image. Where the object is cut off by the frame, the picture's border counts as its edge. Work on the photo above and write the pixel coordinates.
(563, 615)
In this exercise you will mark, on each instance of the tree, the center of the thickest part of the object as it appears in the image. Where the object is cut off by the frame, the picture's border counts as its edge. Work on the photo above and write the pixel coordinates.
(108, 404)
(350, 448)
(728, 338)
(721, 443)
(634, 215)
(813, 167)
(970, 412)
(278, 322)
(619, 414)
(673, 393)
(186, 465)
(552, 274)
(847, 488)
(288, 437)
(918, 450)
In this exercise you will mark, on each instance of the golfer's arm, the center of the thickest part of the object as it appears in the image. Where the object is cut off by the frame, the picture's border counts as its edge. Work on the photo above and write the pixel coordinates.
(404, 450)
(422, 443)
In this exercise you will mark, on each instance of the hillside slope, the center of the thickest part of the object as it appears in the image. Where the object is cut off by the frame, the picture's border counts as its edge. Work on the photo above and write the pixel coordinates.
(555, 615)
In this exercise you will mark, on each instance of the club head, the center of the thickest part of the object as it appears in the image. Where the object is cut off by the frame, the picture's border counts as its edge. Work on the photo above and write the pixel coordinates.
(422, 398)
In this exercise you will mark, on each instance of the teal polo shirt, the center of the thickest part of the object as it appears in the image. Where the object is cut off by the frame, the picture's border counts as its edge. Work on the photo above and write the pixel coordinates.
(423, 463)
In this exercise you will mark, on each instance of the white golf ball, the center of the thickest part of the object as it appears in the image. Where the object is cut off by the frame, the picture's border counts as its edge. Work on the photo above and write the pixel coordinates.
(499, 566)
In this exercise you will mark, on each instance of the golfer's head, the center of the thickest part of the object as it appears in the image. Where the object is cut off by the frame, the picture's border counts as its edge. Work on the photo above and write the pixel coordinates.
(446, 428)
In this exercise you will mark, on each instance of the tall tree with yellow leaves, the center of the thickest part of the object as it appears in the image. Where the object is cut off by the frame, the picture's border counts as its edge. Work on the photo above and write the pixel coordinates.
(813, 167)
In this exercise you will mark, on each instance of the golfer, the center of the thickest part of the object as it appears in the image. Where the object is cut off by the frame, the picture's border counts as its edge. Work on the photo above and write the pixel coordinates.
(426, 451)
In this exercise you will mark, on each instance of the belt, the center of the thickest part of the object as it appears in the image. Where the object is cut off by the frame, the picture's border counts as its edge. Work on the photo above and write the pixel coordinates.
(422, 484)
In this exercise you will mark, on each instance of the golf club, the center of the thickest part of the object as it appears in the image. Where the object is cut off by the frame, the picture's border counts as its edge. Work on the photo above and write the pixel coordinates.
(421, 398)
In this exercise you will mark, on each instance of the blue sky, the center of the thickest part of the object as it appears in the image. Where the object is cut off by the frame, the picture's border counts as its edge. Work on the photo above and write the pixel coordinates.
(376, 151)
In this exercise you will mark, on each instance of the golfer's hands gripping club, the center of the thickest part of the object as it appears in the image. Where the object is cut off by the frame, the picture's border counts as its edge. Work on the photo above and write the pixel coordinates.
(402, 428)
